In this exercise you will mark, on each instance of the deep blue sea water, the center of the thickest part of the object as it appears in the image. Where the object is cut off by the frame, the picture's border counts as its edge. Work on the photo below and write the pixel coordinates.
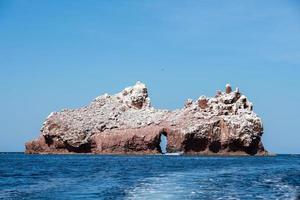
(148, 177)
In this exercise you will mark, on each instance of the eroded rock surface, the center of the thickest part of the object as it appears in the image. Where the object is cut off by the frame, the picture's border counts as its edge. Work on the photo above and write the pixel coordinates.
(125, 123)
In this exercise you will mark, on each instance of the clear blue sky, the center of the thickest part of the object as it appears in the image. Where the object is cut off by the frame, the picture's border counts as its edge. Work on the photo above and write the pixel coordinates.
(62, 54)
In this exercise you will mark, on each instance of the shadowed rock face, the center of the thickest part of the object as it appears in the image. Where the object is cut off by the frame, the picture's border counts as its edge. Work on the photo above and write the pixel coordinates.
(125, 123)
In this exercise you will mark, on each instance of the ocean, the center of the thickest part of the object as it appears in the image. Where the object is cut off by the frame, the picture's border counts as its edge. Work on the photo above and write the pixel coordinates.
(148, 177)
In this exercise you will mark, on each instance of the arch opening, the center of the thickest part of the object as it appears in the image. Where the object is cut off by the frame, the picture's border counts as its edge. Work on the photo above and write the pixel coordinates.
(163, 141)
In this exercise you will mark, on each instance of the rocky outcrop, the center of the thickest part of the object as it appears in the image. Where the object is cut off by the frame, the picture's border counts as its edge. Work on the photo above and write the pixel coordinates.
(125, 123)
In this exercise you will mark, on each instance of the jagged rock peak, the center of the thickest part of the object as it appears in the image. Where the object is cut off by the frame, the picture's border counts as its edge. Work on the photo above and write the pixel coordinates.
(131, 97)
(136, 96)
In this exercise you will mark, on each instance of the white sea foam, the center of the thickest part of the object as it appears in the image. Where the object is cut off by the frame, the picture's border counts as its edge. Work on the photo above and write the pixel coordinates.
(195, 185)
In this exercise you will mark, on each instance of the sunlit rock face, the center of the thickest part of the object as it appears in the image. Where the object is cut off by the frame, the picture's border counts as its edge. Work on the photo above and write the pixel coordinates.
(125, 123)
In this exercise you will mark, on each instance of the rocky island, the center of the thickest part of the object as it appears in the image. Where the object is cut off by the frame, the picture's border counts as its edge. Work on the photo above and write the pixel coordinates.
(125, 123)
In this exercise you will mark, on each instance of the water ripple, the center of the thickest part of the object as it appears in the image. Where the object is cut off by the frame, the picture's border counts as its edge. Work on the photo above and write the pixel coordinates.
(148, 177)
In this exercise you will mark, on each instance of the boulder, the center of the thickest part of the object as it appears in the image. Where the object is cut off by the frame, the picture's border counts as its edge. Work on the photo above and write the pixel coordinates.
(202, 102)
(228, 89)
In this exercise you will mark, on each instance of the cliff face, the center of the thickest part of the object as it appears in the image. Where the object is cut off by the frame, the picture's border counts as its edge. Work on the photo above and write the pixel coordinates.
(125, 123)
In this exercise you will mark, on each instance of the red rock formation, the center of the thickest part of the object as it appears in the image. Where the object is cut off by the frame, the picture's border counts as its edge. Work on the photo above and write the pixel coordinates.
(125, 123)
